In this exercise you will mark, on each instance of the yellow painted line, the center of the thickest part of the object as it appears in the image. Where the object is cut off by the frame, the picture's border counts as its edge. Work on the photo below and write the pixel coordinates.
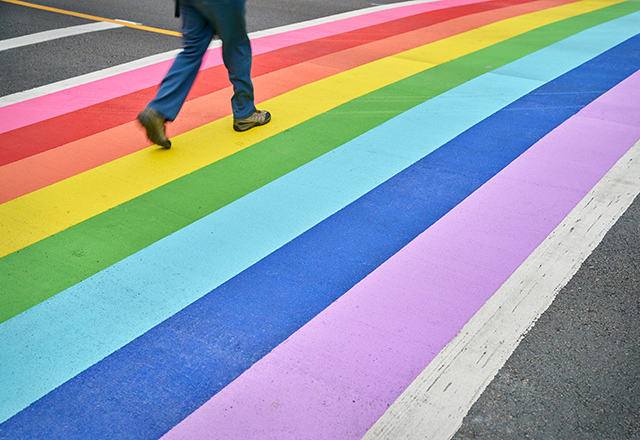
(45, 212)
(93, 17)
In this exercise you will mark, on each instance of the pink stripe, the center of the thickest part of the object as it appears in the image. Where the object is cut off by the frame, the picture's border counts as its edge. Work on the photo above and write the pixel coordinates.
(339, 373)
(55, 104)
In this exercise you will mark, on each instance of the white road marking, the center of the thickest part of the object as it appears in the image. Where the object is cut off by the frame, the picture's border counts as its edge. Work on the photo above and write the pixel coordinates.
(105, 73)
(434, 405)
(127, 21)
(54, 34)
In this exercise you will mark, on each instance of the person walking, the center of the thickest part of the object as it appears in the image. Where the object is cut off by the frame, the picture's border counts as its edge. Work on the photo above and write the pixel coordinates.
(201, 20)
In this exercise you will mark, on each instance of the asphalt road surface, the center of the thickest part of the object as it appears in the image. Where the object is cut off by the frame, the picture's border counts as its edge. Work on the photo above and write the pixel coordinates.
(574, 376)
(44, 63)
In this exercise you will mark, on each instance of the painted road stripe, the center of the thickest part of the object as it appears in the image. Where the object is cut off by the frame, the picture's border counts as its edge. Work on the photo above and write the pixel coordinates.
(264, 203)
(93, 17)
(25, 222)
(434, 405)
(63, 97)
(54, 34)
(406, 33)
(79, 252)
(421, 297)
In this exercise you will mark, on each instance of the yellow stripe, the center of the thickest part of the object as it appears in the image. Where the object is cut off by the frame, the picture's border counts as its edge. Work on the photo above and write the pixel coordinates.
(93, 17)
(37, 215)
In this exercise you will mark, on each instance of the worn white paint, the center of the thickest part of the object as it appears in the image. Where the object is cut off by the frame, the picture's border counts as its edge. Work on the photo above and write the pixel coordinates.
(54, 34)
(434, 405)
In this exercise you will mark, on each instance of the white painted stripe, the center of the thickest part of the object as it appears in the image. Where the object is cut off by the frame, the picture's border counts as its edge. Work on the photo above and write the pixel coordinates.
(86, 78)
(434, 405)
(128, 21)
(144, 62)
(55, 34)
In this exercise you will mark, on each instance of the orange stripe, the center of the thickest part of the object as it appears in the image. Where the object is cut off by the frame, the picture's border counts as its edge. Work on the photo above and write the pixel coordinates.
(35, 172)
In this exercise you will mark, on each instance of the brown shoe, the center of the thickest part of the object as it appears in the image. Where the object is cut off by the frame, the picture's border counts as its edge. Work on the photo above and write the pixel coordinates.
(259, 117)
(154, 124)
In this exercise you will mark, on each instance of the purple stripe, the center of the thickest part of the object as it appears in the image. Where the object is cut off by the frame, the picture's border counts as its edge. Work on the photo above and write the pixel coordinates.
(339, 373)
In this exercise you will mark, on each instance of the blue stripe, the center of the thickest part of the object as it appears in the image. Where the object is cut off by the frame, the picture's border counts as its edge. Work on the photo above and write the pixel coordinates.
(110, 309)
(151, 384)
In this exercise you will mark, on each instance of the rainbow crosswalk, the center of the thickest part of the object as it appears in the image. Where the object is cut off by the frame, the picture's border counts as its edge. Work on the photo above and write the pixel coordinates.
(292, 281)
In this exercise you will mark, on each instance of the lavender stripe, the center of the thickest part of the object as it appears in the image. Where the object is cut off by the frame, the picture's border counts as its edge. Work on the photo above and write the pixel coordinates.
(338, 374)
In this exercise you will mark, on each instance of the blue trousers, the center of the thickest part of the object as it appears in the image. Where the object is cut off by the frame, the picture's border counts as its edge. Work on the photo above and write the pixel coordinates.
(201, 19)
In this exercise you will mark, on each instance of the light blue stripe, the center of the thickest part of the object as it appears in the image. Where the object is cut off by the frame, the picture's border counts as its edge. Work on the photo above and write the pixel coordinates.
(54, 341)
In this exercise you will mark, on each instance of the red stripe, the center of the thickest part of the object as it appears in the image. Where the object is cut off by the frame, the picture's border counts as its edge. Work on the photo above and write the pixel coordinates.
(42, 136)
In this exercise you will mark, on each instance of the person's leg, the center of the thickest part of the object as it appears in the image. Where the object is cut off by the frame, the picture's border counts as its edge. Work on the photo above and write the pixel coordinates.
(173, 91)
(227, 17)
(175, 86)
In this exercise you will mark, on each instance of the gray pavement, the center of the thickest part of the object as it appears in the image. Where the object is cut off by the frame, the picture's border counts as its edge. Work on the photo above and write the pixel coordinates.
(576, 374)
(52, 61)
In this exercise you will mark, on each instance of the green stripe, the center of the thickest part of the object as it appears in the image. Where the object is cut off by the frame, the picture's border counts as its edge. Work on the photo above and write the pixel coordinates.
(44, 269)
